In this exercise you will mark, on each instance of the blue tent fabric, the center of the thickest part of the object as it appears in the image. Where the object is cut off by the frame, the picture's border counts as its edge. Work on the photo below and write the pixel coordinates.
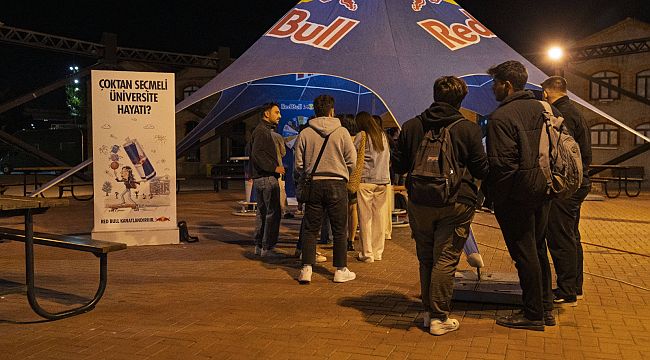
(394, 48)
(350, 98)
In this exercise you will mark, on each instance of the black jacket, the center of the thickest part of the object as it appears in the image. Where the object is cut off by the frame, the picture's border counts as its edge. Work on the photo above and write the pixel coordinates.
(263, 155)
(466, 139)
(577, 127)
(513, 135)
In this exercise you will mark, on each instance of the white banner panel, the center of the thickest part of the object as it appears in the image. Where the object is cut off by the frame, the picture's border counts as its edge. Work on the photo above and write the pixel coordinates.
(134, 167)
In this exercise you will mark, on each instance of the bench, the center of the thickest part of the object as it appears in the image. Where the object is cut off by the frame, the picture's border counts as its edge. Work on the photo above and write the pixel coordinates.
(224, 180)
(623, 176)
(98, 248)
(5, 187)
(70, 188)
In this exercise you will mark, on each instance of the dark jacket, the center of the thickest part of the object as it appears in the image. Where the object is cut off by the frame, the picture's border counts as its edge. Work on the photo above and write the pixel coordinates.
(513, 133)
(577, 127)
(466, 139)
(263, 155)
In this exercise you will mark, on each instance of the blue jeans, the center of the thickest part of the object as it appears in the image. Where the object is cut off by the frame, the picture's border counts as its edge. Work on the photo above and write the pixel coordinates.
(267, 220)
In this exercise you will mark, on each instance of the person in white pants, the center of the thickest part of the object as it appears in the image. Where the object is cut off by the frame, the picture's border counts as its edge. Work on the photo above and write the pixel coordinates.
(372, 195)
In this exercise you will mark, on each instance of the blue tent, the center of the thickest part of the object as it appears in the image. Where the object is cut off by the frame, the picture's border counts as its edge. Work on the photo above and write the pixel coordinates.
(394, 49)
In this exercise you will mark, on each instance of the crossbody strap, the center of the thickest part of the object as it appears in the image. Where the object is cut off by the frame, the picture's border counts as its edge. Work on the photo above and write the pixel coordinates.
(320, 155)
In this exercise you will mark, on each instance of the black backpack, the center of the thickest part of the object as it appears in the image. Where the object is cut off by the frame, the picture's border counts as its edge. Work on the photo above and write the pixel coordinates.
(436, 175)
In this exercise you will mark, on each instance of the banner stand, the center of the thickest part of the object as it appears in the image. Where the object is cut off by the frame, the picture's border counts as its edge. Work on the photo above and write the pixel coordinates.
(134, 171)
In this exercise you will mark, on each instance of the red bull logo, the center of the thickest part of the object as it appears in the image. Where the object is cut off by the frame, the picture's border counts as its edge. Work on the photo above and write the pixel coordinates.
(419, 4)
(294, 25)
(457, 36)
(348, 4)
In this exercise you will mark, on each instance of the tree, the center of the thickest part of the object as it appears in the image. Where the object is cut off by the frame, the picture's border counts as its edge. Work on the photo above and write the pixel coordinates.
(107, 187)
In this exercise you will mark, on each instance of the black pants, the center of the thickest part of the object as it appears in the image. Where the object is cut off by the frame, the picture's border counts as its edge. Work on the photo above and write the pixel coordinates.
(563, 237)
(524, 229)
(440, 235)
(332, 196)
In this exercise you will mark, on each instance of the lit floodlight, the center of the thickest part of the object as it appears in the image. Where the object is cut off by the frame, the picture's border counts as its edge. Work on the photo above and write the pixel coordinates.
(556, 53)
(76, 81)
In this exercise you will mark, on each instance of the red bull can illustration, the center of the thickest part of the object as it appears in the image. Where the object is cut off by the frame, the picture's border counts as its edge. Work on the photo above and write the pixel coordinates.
(142, 165)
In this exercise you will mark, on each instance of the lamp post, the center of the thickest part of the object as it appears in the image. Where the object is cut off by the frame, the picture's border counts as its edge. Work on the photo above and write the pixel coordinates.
(556, 55)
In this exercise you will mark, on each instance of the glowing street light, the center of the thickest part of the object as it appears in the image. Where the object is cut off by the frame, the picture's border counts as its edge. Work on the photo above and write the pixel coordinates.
(556, 55)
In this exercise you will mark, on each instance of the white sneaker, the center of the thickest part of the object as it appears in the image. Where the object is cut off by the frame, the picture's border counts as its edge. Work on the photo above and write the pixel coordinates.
(426, 320)
(305, 275)
(437, 327)
(258, 250)
(344, 275)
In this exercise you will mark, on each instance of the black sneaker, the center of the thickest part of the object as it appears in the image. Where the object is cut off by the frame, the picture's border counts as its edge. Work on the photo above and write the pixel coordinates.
(549, 319)
(519, 321)
(288, 216)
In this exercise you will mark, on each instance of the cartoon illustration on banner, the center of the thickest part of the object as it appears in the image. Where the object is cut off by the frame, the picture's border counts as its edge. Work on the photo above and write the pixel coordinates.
(133, 138)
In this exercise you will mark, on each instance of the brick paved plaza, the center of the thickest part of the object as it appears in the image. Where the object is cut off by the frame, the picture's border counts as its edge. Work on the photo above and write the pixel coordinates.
(215, 300)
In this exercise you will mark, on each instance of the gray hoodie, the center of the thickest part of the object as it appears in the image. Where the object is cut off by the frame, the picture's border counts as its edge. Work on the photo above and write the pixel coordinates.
(339, 158)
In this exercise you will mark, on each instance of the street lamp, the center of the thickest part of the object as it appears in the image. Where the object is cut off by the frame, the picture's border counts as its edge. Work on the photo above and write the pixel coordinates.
(556, 55)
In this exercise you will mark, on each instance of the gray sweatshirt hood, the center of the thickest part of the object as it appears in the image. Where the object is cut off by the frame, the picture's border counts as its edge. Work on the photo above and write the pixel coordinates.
(324, 125)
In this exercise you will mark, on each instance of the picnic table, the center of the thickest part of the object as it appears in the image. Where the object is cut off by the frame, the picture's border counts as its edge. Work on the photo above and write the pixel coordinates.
(38, 170)
(27, 207)
(623, 175)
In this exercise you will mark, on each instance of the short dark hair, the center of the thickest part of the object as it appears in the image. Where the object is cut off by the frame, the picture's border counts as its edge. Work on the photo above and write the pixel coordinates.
(512, 71)
(450, 90)
(323, 104)
(555, 83)
(268, 106)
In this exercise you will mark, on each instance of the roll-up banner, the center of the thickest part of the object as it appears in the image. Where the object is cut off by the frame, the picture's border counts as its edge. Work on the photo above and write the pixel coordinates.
(134, 168)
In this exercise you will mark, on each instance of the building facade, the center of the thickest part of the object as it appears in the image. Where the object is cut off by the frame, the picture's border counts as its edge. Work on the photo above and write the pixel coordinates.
(630, 72)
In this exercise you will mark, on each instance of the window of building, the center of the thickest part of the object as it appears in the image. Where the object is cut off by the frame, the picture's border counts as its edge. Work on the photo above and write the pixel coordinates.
(189, 90)
(601, 92)
(644, 129)
(604, 135)
(193, 155)
(643, 84)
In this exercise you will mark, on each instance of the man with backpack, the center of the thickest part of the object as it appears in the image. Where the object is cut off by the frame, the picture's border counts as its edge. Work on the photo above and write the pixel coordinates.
(441, 151)
(519, 189)
(324, 159)
(563, 235)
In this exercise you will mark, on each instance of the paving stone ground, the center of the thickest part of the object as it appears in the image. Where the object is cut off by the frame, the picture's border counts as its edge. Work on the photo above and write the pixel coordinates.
(215, 300)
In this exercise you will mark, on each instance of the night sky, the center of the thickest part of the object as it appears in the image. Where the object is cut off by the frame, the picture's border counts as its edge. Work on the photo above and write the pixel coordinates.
(199, 27)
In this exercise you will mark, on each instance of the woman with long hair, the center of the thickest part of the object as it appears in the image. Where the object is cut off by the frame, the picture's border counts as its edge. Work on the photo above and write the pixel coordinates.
(372, 195)
(348, 122)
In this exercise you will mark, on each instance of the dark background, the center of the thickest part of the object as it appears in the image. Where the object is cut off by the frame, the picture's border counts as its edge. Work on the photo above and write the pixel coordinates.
(200, 27)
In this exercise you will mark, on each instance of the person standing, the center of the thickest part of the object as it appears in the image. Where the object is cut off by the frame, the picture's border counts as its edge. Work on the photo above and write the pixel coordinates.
(563, 234)
(328, 186)
(265, 171)
(517, 187)
(372, 196)
(281, 150)
(440, 232)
